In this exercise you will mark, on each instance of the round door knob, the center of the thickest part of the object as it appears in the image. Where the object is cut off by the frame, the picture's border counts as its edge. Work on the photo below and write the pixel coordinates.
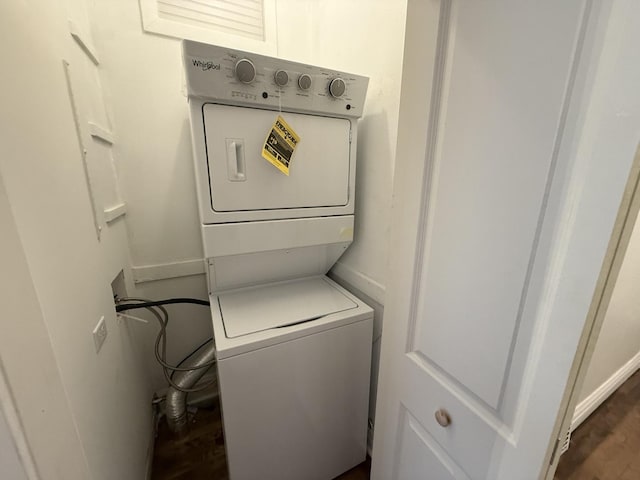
(304, 81)
(337, 87)
(443, 418)
(281, 78)
(245, 70)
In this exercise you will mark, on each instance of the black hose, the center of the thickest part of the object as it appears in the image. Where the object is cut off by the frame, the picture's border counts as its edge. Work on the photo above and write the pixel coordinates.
(130, 306)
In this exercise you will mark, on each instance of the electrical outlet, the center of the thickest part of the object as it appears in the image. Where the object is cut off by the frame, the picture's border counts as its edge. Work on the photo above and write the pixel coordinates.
(100, 334)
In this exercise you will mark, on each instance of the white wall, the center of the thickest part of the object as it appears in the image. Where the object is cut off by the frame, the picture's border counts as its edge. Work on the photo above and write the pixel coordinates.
(86, 416)
(144, 76)
(10, 463)
(619, 339)
(33, 379)
(366, 37)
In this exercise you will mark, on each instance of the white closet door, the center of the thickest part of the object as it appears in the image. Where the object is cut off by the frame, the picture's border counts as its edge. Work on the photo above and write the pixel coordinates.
(502, 220)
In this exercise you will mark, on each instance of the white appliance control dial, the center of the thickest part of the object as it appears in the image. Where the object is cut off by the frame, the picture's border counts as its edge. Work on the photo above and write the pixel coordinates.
(337, 87)
(304, 81)
(235, 77)
(281, 78)
(245, 70)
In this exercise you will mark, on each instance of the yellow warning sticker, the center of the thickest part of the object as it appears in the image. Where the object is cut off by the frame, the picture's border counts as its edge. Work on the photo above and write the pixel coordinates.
(280, 145)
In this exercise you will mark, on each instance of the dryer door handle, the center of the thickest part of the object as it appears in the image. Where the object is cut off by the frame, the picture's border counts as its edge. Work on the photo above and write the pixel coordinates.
(235, 160)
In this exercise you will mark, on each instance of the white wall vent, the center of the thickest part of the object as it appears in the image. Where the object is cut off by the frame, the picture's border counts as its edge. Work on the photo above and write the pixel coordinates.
(240, 24)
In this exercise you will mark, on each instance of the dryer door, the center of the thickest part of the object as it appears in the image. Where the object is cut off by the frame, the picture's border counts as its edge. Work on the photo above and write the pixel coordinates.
(241, 180)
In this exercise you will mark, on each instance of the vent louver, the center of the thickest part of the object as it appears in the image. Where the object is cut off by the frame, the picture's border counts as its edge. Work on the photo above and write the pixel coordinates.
(236, 17)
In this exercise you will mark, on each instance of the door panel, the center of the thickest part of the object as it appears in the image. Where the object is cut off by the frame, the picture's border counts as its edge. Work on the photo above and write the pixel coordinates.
(471, 435)
(487, 177)
(421, 457)
(319, 170)
(501, 103)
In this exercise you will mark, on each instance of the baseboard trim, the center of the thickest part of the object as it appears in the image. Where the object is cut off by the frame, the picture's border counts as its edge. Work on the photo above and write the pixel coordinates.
(359, 280)
(600, 394)
(163, 271)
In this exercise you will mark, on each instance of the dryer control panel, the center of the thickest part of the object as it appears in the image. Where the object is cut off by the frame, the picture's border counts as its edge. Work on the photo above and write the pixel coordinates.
(239, 78)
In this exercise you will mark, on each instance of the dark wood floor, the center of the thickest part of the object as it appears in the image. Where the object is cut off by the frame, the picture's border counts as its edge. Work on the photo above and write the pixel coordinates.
(200, 453)
(607, 445)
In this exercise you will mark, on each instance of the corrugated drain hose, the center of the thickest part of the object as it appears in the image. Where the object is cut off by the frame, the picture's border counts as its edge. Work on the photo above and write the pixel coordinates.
(162, 316)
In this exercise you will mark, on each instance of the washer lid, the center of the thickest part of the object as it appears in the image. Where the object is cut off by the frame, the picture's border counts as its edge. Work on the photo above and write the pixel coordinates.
(270, 306)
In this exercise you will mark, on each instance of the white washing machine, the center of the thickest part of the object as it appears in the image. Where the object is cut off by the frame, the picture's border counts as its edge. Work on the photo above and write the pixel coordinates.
(293, 347)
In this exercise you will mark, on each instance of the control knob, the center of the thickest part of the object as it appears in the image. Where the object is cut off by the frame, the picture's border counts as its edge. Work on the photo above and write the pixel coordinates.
(337, 87)
(281, 78)
(245, 70)
(304, 81)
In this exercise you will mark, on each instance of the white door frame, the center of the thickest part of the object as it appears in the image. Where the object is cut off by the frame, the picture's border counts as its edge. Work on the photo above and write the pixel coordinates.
(620, 237)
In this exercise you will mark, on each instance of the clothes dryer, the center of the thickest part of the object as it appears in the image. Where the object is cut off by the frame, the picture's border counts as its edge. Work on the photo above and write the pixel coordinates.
(293, 347)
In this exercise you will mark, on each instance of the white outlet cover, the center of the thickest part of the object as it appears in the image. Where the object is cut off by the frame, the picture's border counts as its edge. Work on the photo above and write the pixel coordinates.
(100, 333)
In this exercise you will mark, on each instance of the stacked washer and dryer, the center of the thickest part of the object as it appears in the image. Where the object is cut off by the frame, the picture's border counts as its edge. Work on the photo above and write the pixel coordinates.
(293, 347)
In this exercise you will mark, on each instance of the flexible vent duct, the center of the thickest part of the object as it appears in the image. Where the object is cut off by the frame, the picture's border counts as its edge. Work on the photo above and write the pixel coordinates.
(176, 405)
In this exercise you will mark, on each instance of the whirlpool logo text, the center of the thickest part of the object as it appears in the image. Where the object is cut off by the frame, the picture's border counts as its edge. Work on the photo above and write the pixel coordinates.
(206, 65)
